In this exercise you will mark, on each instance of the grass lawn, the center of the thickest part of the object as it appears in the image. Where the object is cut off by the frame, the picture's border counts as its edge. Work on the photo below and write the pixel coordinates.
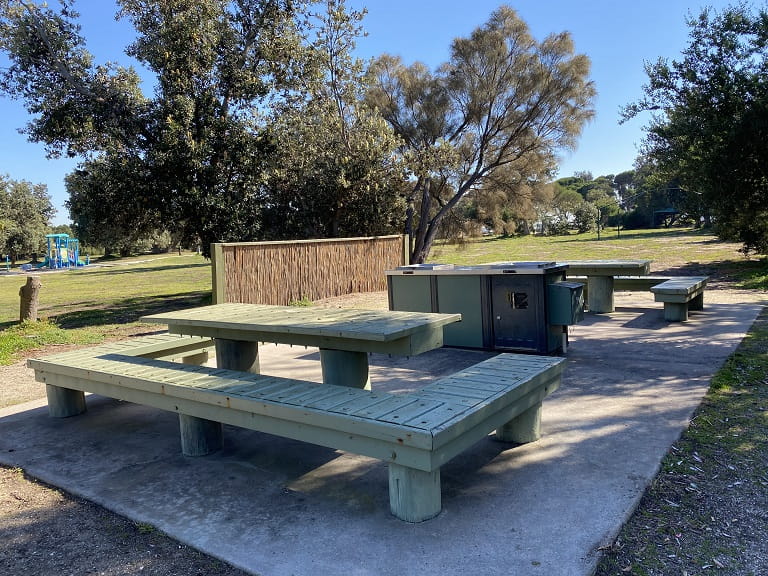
(112, 291)
(86, 305)
(667, 248)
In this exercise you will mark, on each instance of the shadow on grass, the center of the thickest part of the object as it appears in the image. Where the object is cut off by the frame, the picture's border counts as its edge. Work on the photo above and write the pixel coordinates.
(130, 309)
(610, 234)
(748, 274)
(113, 270)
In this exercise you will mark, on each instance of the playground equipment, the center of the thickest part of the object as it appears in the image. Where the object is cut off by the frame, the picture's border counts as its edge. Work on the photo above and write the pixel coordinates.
(63, 252)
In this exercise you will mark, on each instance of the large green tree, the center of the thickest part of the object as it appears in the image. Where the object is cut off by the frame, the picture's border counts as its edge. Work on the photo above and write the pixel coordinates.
(191, 155)
(503, 102)
(334, 172)
(25, 214)
(256, 128)
(709, 116)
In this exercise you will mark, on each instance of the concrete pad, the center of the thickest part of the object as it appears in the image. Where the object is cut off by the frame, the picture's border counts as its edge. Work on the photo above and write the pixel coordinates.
(277, 507)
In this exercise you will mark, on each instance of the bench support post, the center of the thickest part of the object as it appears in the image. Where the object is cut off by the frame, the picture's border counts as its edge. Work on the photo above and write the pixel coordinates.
(414, 495)
(200, 436)
(64, 402)
(523, 428)
(675, 311)
(697, 303)
(345, 368)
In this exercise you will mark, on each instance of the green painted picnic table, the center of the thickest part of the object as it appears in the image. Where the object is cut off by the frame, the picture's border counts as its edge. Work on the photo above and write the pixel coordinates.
(600, 275)
(345, 337)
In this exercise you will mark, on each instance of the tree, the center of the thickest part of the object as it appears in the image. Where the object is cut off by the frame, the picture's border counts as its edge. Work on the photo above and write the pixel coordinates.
(645, 193)
(624, 184)
(560, 215)
(508, 202)
(195, 151)
(334, 172)
(709, 112)
(585, 202)
(109, 209)
(503, 101)
(26, 211)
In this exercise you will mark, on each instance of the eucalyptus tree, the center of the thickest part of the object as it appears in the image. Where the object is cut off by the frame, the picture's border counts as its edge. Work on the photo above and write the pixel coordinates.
(709, 121)
(501, 101)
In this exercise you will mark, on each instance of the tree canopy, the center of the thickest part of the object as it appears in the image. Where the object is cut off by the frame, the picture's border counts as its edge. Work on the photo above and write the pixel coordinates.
(334, 171)
(252, 131)
(25, 212)
(263, 125)
(709, 121)
(503, 104)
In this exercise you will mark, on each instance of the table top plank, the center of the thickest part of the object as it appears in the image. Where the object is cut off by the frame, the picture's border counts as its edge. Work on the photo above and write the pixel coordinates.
(616, 267)
(278, 323)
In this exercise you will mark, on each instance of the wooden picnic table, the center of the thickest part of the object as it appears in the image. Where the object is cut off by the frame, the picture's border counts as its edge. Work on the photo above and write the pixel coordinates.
(600, 274)
(345, 337)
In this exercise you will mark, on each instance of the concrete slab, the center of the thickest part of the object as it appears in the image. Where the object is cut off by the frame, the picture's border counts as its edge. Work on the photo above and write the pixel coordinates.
(276, 507)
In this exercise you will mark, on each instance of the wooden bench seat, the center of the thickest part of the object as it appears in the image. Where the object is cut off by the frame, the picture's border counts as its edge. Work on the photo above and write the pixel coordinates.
(162, 346)
(637, 283)
(415, 433)
(680, 295)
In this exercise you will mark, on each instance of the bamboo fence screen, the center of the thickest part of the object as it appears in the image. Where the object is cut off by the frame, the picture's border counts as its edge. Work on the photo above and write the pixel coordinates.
(285, 272)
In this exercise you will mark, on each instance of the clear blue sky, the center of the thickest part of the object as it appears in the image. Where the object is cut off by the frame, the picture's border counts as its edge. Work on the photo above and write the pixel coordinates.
(618, 36)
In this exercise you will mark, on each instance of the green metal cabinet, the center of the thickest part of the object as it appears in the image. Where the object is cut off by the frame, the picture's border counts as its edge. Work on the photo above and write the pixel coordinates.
(565, 303)
(511, 306)
(463, 295)
(410, 293)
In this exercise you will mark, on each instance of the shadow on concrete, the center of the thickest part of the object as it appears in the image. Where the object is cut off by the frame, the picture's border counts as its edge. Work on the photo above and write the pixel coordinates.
(278, 507)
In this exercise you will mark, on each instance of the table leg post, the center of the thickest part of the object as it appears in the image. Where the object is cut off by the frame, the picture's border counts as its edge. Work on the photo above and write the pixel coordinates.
(414, 495)
(200, 436)
(64, 402)
(600, 294)
(523, 428)
(344, 368)
(237, 355)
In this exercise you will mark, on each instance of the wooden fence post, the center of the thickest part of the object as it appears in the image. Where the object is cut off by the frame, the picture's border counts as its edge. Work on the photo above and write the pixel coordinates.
(219, 275)
(30, 295)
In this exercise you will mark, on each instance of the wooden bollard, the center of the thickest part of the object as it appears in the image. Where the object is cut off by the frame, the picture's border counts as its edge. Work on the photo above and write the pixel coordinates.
(30, 296)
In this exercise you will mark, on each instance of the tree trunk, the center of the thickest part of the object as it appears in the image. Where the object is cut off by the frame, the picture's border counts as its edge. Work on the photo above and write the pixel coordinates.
(30, 294)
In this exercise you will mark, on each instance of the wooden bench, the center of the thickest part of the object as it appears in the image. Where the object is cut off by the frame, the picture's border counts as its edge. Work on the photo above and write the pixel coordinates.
(680, 295)
(415, 433)
(162, 346)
